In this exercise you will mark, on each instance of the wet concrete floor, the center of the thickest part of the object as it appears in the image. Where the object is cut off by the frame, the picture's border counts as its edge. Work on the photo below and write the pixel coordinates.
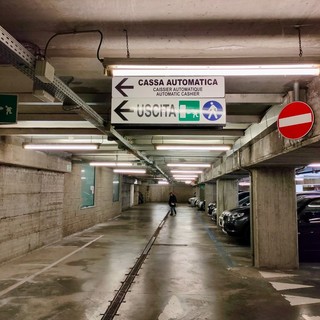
(192, 272)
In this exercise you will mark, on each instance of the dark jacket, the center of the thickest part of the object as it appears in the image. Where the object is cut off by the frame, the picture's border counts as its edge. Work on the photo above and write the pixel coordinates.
(172, 200)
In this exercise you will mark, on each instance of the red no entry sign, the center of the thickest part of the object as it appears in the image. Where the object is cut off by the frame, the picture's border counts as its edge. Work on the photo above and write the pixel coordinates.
(295, 120)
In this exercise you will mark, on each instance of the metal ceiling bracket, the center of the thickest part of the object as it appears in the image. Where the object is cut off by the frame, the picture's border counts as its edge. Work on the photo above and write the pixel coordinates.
(18, 56)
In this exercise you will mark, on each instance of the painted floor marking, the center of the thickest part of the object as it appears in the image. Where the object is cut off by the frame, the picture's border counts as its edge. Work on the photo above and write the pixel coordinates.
(275, 274)
(219, 247)
(304, 316)
(172, 310)
(18, 284)
(288, 286)
(297, 300)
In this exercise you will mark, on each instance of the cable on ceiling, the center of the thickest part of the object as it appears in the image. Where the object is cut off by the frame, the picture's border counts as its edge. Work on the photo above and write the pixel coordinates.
(77, 32)
(298, 27)
(127, 42)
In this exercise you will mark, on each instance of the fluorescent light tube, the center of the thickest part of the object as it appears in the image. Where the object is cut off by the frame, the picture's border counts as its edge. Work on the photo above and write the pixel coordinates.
(244, 184)
(185, 176)
(111, 164)
(213, 70)
(65, 146)
(186, 171)
(163, 182)
(314, 165)
(195, 148)
(129, 170)
(189, 165)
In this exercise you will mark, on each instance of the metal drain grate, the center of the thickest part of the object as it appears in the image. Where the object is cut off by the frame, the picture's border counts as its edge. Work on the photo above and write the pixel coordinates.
(170, 244)
(121, 293)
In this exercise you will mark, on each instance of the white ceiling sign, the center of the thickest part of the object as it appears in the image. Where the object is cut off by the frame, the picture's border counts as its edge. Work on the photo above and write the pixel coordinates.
(184, 111)
(168, 87)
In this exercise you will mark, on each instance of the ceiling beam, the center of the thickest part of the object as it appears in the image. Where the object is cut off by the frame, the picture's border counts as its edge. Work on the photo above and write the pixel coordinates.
(48, 131)
(181, 131)
(263, 98)
(59, 116)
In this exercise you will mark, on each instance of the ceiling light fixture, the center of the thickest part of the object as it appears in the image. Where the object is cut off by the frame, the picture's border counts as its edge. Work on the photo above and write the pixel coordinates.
(194, 148)
(244, 184)
(63, 146)
(186, 171)
(314, 165)
(189, 165)
(111, 164)
(142, 171)
(201, 67)
(163, 182)
(185, 176)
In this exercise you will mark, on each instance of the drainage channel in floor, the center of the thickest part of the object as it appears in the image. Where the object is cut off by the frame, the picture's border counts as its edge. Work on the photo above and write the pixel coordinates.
(170, 244)
(115, 304)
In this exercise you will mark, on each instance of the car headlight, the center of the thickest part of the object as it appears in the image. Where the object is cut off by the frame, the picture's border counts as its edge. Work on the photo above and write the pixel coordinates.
(237, 215)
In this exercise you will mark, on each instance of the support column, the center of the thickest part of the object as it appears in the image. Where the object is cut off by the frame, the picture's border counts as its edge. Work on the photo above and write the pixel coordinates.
(227, 195)
(274, 218)
(210, 193)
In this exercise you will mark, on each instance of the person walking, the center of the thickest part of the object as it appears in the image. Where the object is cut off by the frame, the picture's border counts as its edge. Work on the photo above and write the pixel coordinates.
(172, 203)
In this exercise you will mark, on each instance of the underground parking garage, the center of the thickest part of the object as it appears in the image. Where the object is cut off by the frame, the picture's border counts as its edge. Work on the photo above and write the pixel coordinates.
(83, 230)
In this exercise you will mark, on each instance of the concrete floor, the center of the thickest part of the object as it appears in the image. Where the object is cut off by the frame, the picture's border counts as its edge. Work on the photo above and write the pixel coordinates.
(192, 271)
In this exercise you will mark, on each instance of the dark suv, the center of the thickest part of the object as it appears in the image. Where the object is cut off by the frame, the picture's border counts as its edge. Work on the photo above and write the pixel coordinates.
(308, 215)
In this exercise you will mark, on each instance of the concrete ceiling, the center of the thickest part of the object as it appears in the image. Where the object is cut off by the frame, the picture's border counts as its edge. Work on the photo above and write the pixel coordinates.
(234, 31)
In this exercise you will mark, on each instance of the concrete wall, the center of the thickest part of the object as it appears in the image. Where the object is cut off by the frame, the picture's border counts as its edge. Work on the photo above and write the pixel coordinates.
(76, 219)
(12, 153)
(125, 195)
(40, 199)
(31, 209)
(160, 193)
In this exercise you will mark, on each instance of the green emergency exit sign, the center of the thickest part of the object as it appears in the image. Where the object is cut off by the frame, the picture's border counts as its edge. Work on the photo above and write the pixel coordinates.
(8, 108)
(189, 110)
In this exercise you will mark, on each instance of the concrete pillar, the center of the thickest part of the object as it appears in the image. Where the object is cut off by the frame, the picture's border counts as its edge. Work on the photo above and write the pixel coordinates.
(274, 218)
(227, 195)
(210, 193)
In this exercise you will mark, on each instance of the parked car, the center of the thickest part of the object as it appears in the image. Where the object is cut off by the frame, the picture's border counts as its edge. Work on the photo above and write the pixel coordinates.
(243, 194)
(192, 201)
(309, 228)
(201, 205)
(237, 223)
(224, 215)
(212, 211)
(308, 215)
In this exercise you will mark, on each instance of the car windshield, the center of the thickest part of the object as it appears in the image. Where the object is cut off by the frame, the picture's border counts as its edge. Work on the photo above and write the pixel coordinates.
(245, 201)
(302, 199)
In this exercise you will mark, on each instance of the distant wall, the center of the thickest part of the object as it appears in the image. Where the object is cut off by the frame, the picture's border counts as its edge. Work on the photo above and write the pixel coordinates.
(160, 193)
